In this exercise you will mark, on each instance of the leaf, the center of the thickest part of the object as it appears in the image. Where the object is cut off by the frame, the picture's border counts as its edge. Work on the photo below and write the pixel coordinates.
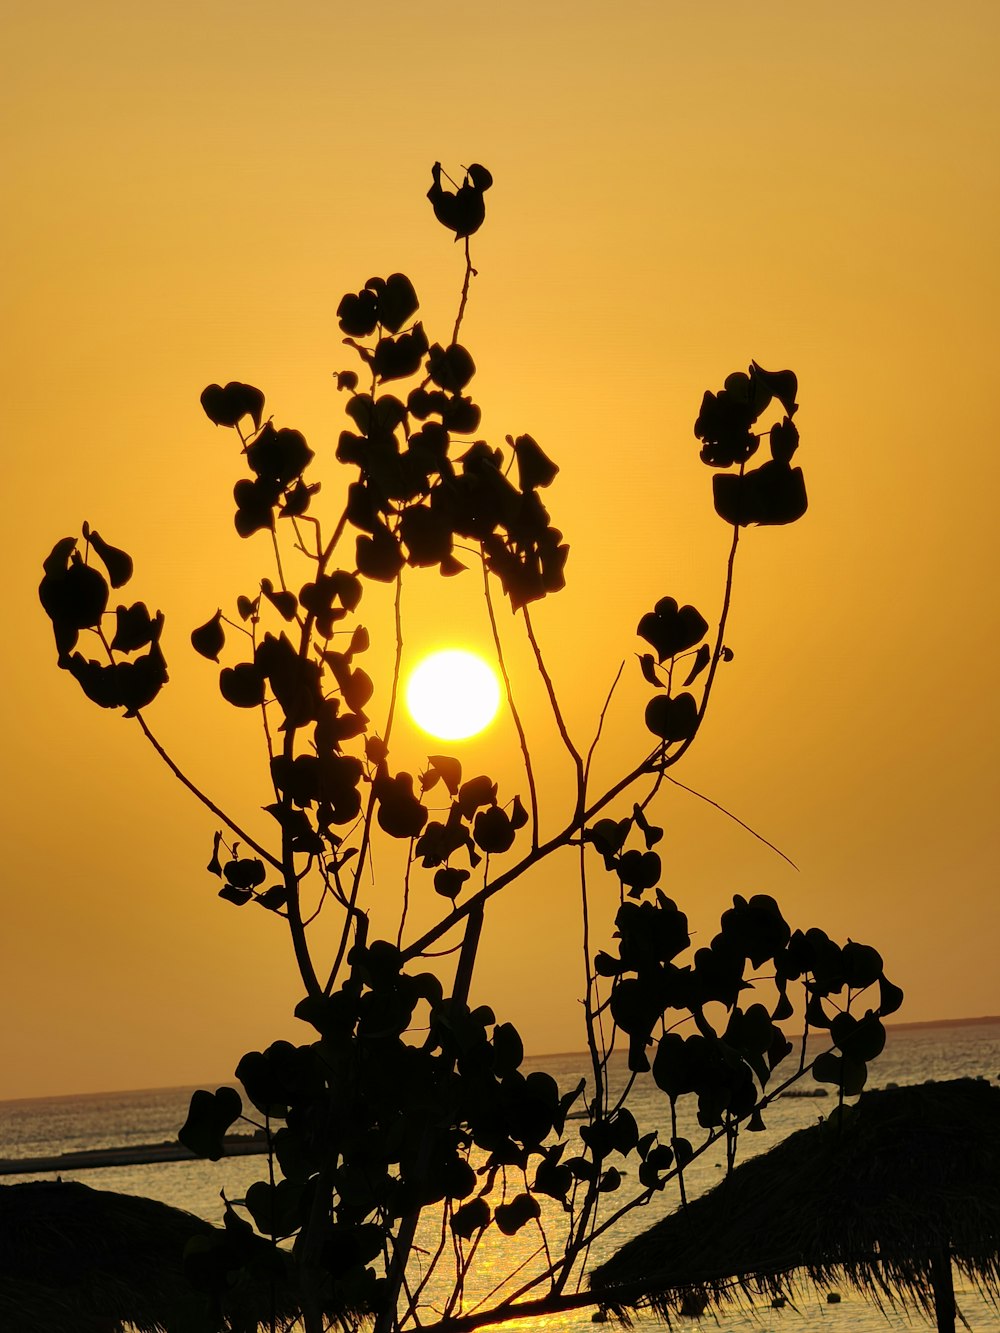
(672, 629)
(511, 1217)
(140, 681)
(285, 603)
(891, 997)
(683, 1151)
(244, 872)
(639, 870)
(118, 563)
(672, 719)
(396, 358)
(451, 368)
(232, 894)
(379, 556)
(74, 597)
(492, 830)
(400, 813)
(652, 833)
(476, 792)
(827, 1068)
(648, 669)
(606, 966)
(552, 1179)
(273, 898)
(359, 641)
(534, 467)
(470, 1218)
(780, 384)
(135, 628)
(723, 424)
(255, 501)
(784, 440)
(227, 406)
(426, 534)
(242, 685)
(862, 965)
(265, 1078)
(357, 316)
(397, 302)
(701, 661)
(209, 639)
(462, 211)
(214, 866)
(608, 836)
(448, 881)
(770, 495)
(508, 1049)
(209, 1117)
(276, 1209)
(279, 456)
(861, 1039)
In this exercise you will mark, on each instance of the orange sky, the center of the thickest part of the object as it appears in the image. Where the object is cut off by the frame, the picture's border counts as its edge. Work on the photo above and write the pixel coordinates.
(680, 187)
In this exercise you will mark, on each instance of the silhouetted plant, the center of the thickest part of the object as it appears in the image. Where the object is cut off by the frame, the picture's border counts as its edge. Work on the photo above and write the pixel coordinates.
(407, 1100)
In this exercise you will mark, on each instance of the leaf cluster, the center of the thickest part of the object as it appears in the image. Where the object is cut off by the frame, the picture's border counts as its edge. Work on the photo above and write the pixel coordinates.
(406, 1097)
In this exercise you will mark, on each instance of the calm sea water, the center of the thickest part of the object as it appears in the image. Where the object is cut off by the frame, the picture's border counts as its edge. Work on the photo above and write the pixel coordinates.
(62, 1124)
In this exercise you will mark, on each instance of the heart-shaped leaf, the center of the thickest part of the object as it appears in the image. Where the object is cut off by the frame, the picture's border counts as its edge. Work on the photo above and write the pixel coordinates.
(451, 368)
(672, 629)
(209, 1117)
(448, 881)
(397, 302)
(672, 719)
(470, 1218)
(242, 685)
(228, 406)
(511, 1217)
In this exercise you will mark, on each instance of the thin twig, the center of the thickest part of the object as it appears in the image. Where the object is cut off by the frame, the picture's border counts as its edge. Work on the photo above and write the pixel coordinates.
(729, 815)
(556, 711)
(522, 737)
(209, 804)
(469, 271)
(600, 723)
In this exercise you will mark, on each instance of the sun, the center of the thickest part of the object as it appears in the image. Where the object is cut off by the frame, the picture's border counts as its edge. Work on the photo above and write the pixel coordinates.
(452, 694)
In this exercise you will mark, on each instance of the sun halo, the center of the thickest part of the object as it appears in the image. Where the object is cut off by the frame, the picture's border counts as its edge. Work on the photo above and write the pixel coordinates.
(452, 694)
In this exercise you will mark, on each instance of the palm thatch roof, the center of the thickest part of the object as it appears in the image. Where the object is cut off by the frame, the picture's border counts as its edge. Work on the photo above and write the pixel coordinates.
(884, 1196)
(93, 1261)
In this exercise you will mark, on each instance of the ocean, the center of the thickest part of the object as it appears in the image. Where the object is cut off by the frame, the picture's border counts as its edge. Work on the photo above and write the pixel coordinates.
(47, 1126)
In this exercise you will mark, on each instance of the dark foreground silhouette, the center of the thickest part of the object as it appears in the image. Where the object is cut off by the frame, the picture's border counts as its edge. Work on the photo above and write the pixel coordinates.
(886, 1195)
(79, 1260)
(407, 1098)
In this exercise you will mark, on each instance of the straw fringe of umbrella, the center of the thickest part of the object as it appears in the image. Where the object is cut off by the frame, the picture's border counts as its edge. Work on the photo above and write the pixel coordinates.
(885, 1197)
(93, 1261)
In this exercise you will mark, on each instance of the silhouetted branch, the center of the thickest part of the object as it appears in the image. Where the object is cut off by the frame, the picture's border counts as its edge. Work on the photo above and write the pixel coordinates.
(185, 781)
(515, 714)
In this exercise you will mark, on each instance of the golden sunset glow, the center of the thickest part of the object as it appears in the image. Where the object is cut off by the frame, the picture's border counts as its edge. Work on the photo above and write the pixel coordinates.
(678, 188)
(453, 694)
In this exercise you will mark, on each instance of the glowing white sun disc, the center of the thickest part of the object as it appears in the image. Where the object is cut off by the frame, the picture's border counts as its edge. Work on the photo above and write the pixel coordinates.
(453, 694)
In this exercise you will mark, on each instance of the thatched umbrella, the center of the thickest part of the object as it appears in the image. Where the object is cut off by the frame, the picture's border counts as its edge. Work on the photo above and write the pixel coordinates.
(92, 1261)
(885, 1197)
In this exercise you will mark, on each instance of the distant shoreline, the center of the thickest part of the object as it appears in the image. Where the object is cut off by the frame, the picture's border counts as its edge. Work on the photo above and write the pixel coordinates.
(947, 1022)
(893, 1027)
(544, 1055)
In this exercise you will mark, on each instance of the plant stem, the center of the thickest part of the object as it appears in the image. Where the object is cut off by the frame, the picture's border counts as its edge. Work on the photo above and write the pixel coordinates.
(522, 738)
(185, 781)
